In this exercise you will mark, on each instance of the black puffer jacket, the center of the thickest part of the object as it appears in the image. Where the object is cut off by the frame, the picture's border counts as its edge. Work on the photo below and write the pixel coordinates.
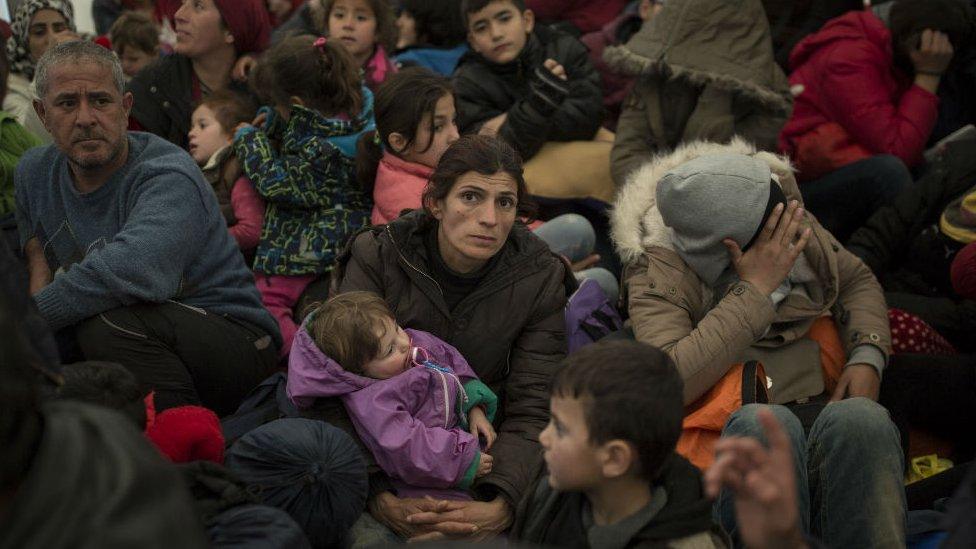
(888, 239)
(484, 90)
(163, 94)
(510, 328)
(901, 243)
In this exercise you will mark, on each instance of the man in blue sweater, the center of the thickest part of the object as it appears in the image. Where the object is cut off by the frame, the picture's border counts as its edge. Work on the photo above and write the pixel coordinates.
(126, 243)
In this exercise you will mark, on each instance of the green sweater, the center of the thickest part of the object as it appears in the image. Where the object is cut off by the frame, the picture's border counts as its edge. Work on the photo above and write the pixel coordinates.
(14, 141)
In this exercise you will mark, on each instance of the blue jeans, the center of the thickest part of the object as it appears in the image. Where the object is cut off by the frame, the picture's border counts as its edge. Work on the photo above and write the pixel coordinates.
(844, 199)
(848, 471)
(571, 235)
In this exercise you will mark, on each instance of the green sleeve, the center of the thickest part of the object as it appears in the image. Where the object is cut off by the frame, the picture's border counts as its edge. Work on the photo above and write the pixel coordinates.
(480, 395)
(472, 470)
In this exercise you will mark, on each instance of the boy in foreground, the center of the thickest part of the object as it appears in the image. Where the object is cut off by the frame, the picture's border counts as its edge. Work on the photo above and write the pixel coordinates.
(614, 479)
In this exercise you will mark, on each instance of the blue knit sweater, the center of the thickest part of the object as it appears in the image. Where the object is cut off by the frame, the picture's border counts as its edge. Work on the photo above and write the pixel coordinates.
(152, 233)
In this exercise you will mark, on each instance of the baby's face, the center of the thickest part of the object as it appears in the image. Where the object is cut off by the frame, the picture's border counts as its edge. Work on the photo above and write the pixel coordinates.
(393, 357)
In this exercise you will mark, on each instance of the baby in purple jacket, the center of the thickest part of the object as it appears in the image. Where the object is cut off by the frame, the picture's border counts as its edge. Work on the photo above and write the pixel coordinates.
(413, 399)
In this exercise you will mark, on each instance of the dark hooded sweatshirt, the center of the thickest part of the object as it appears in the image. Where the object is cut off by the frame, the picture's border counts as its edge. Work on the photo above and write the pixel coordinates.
(677, 516)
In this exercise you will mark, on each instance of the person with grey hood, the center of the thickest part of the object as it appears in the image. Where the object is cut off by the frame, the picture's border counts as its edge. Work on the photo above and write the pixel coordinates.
(724, 268)
(704, 71)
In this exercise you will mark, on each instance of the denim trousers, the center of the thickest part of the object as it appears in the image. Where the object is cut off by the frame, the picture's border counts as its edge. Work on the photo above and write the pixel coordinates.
(572, 235)
(844, 199)
(848, 470)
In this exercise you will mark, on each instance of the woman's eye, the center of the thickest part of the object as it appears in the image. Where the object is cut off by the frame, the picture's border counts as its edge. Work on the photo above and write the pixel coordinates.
(469, 197)
(506, 203)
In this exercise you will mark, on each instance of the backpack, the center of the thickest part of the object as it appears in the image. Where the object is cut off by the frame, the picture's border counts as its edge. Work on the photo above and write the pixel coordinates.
(589, 314)
(265, 403)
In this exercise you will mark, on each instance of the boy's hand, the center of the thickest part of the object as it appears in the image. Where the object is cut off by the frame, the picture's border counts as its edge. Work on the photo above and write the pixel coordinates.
(480, 426)
(548, 85)
(484, 466)
(555, 68)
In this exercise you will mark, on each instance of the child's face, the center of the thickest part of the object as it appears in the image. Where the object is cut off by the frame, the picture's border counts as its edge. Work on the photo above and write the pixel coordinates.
(353, 24)
(406, 30)
(445, 133)
(393, 357)
(499, 31)
(281, 9)
(133, 59)
(573, 461)
(206, 135)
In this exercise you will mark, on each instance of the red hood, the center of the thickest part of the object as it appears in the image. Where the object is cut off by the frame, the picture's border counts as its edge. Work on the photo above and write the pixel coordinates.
(855, 25)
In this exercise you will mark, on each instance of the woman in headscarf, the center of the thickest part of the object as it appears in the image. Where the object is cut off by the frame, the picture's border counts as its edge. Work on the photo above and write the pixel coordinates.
(37, 25)
(210, 36)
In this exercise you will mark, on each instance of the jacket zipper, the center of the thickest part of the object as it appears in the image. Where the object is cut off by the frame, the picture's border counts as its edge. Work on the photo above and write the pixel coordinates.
(411, 265)
(447, 403)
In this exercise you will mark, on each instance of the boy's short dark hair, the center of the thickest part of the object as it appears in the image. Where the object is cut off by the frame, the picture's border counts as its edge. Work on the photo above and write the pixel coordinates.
(107, 384)
(629, 391)
(135, 29)
(472, 6)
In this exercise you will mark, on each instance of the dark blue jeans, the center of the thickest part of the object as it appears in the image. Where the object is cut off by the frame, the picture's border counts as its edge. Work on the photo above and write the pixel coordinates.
(844, 199)
(849, 472)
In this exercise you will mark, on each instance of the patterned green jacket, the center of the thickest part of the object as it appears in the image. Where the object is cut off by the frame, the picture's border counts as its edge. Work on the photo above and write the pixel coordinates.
(314, 203)
(14, 141)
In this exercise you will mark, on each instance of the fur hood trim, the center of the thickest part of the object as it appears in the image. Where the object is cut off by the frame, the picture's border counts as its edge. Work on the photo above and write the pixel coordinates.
(636, 223)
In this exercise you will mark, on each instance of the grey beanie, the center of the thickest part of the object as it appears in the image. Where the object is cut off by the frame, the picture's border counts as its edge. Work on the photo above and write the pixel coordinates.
(709, 199)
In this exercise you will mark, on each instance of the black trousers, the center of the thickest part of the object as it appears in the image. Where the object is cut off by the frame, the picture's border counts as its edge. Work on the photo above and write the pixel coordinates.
(186, 355)
(936, 394)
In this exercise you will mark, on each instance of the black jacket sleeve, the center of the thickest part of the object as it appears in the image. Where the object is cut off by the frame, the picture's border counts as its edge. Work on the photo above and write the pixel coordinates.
(576, 119)
(889, 232)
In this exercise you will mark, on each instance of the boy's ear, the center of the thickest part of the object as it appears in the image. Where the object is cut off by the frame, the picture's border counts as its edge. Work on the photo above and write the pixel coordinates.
(529, 20)
(619, 457)
(397, 141)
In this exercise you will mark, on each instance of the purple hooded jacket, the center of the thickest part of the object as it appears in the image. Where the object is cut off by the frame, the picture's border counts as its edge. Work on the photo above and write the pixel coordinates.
(412, 422)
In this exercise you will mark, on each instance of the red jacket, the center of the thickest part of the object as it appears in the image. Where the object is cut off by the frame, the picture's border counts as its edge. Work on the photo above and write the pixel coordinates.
(586, 15)
(853, 102)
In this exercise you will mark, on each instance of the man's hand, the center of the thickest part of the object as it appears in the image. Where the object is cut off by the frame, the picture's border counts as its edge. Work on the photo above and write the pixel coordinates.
(475, 520)
(767, 263)
(857, 380)
(39, 272)
(763, 485)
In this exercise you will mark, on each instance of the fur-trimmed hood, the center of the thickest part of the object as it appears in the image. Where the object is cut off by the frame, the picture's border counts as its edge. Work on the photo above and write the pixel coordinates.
(636, 223)
(722, 42)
